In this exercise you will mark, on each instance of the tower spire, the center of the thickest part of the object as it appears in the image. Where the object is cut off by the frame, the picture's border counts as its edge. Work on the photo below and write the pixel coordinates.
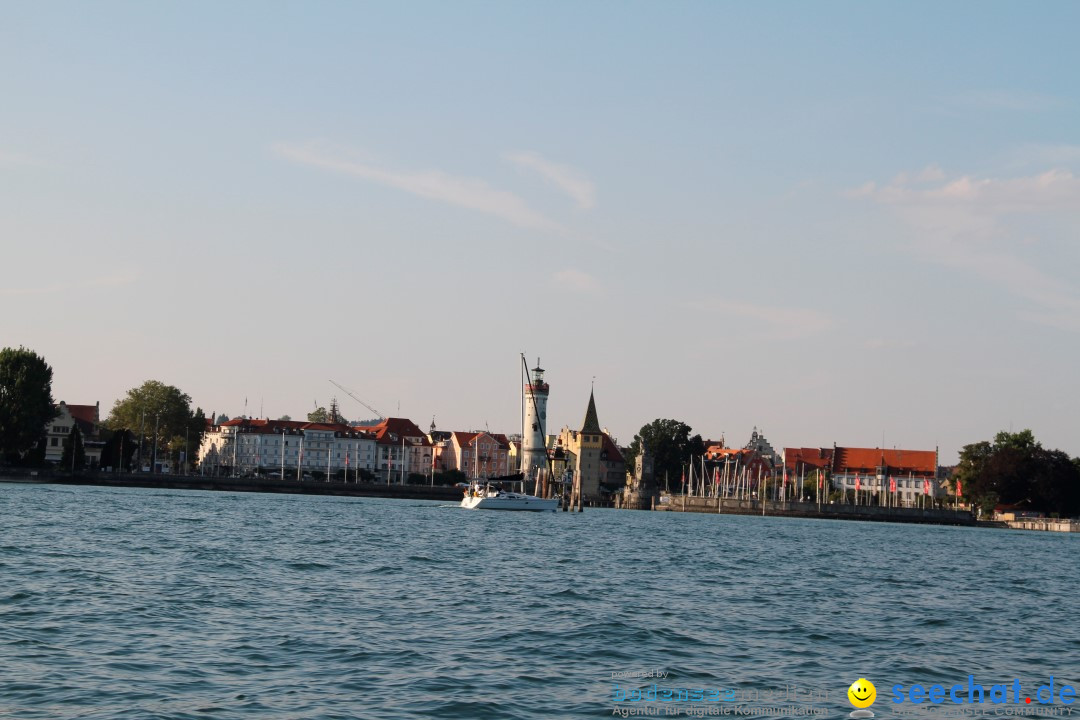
(592, 422)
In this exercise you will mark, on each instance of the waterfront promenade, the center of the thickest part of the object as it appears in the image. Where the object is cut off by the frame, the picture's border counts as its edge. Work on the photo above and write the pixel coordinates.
(872, 513)
(240, 484)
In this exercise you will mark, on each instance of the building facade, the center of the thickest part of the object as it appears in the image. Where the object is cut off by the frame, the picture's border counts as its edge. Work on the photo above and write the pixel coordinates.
(913, 473)
(57, 432)
(477, 454)
(290, 448)
(401, 448)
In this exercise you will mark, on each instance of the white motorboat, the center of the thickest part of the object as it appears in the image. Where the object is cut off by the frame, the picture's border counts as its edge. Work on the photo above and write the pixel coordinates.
(489, 497)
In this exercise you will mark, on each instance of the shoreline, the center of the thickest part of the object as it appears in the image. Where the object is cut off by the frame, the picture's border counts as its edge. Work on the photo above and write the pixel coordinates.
(701, 506)
(228, 484)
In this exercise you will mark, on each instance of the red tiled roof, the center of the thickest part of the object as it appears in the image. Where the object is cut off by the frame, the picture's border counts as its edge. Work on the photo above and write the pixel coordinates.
(612, 450)
(464, 439)
(85, 416)
(391, 430)
(468, 439)
(900, 462)
(798, 458)
(84, 413)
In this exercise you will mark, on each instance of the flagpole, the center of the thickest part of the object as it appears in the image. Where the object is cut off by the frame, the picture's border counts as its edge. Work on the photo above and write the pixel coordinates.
(300, 458)
(283, 455)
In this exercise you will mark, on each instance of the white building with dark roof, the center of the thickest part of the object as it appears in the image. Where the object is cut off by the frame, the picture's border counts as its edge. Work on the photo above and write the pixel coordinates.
(244, 446)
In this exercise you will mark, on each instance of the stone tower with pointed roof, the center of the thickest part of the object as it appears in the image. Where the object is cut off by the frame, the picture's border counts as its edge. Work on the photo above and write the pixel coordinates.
(591, 442)
(591, 454)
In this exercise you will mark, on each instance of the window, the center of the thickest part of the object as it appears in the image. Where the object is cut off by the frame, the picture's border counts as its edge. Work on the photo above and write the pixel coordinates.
(54, 442)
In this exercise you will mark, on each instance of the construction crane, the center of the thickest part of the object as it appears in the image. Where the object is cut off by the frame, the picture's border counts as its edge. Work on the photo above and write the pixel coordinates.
(351, 394)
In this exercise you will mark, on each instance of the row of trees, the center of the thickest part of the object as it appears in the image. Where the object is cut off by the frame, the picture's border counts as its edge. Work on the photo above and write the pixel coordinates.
(152, 418)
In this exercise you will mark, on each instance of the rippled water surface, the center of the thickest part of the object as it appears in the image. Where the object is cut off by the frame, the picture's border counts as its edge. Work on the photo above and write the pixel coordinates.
(140, 603)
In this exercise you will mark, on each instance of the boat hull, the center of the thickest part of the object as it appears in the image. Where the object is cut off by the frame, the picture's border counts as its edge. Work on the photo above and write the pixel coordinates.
(521, 503)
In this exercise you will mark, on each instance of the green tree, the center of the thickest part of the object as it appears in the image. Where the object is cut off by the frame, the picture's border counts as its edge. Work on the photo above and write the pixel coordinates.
(26, 403)
(1015, 469)
(73, 447)
(318, 415)
(158, 412)
(183, 449)
(450, 477)
(671, 446)
(117, 443)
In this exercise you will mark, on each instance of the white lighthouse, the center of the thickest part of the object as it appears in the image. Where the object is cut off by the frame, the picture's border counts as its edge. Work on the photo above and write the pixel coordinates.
(533, 436)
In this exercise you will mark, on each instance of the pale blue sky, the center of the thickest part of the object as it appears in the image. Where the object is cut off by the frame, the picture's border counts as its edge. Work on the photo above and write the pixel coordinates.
(835, 221)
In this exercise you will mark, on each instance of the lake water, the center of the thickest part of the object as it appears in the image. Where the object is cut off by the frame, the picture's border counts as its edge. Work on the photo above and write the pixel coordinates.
(137, 603)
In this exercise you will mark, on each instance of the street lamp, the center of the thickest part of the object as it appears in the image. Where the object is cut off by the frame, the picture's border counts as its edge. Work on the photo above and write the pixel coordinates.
(157, 418)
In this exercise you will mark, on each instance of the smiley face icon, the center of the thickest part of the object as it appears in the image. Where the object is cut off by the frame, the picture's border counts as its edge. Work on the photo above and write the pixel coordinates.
(862, 693)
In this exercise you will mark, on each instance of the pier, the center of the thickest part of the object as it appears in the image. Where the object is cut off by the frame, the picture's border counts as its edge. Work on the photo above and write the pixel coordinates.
(838, 511)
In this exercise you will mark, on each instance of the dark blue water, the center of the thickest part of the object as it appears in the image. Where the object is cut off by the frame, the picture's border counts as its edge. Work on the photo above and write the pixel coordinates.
(158, 604)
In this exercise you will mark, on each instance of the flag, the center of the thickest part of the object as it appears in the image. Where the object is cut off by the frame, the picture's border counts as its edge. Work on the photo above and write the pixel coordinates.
(925, 486)
(892, 484)
(682, 478)
(716, 476)
(959, 488)
(785, 475)
(821, 479)
(857, 486)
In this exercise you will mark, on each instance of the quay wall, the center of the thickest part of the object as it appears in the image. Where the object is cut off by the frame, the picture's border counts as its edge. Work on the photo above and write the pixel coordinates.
(263, 485)
(732, 506)
(1045, 524)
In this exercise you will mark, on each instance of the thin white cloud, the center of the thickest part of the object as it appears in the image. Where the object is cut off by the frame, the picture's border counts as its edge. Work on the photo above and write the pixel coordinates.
(976, 224)
(1043, 155)
(465, 192)
(929, 174)
(773, 322)
(578, 281)
(570, 180)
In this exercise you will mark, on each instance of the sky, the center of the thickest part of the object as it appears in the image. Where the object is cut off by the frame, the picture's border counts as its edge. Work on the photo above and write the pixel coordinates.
(838, 222)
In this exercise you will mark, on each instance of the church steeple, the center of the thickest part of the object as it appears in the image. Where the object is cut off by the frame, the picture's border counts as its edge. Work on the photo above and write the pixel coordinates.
(592, 423)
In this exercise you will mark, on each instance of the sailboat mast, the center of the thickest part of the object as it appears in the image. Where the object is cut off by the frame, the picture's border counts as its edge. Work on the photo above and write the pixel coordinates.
(521, 443)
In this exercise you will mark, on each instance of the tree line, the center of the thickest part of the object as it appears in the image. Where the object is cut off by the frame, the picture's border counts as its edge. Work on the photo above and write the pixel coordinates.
(153, 418)
(1014, 471)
